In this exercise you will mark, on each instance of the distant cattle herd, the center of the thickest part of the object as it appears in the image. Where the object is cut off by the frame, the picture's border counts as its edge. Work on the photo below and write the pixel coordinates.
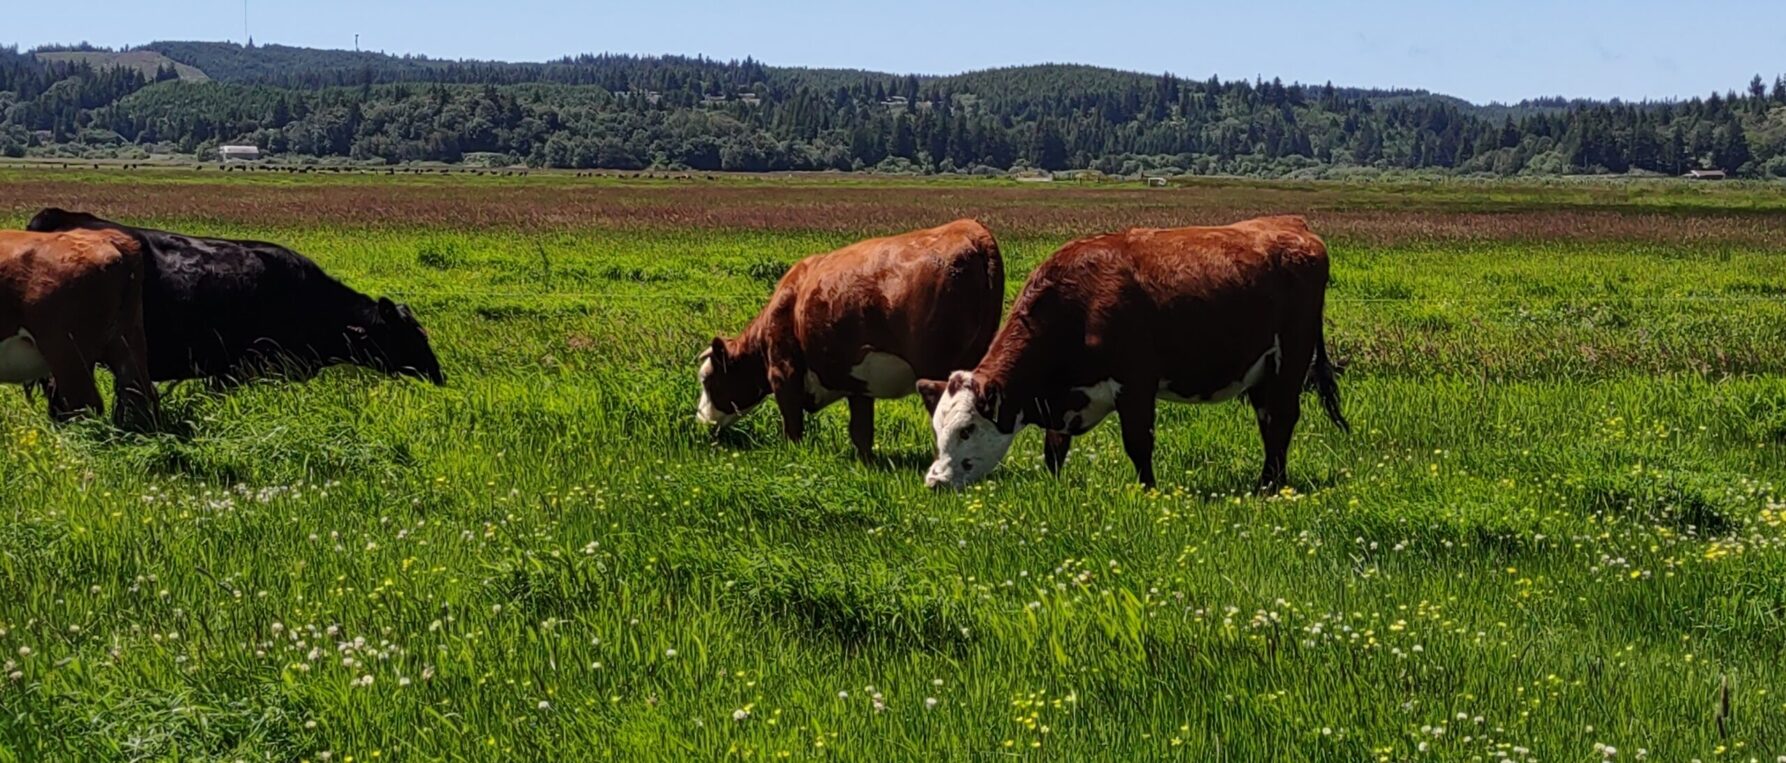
(1108, 324)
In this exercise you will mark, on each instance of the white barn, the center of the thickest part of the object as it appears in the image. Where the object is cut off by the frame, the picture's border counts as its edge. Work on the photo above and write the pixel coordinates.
(240, 153)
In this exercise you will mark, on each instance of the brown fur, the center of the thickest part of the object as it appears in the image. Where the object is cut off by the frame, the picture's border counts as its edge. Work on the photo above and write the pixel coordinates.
(1195, 306)
(931, 297)
(80, 294)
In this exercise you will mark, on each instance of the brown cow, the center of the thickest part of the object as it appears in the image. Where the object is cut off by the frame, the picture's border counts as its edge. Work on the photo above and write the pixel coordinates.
(1112, 322)
(69, 301)
(864, 322)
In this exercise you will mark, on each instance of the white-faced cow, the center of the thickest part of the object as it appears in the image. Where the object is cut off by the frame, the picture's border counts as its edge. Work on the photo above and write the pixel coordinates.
(864, 322)
(69, 301)
(1110, 323)
(229, 311)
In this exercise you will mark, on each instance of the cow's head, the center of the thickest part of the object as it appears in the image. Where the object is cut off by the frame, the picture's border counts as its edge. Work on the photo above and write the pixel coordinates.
(732, 383)
(56, 219)
(395, 343)
(974, 428)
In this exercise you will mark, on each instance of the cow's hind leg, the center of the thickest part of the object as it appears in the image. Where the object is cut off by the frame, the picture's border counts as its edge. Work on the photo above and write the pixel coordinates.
(1136, 412)
(71, 389)
(862, 426)
(1277, 406)
(136, 401)
(1054, 451)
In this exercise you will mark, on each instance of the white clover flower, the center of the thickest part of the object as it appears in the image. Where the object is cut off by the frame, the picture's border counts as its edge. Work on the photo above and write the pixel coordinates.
(740, 714)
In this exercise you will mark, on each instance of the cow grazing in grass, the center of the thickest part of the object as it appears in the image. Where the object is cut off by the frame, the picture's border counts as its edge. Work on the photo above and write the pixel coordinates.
(1110, 323)
(864, 323)
(69, 301)
(230, 311)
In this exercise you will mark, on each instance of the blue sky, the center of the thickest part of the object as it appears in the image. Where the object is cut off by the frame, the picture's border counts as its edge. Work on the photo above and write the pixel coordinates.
(1505, 51)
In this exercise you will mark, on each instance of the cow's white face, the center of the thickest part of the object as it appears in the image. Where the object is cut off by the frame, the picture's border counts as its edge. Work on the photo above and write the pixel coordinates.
(968, 442)
(731, 384)
(705, 411)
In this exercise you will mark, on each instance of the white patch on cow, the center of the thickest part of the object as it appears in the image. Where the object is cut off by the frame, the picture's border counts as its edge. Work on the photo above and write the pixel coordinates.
(968, 445)
(1254, 374)
(1102, 398)
(705, 411)
(20, 362)
(886, 376)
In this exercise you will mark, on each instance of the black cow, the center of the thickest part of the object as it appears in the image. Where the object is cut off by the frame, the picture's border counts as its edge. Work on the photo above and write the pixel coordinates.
(229, 311)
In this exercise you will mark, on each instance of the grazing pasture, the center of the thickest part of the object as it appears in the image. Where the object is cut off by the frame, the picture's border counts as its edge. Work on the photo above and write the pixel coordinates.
(1557, 531)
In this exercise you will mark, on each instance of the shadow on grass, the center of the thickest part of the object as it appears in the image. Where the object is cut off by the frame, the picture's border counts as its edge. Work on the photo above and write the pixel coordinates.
(896, 461)
(741, 438)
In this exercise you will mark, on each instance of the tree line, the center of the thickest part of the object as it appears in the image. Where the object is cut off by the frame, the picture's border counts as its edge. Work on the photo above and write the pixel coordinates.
(629, 113)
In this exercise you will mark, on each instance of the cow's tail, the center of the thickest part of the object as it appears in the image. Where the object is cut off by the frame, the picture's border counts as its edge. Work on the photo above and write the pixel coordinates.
(1321, 377)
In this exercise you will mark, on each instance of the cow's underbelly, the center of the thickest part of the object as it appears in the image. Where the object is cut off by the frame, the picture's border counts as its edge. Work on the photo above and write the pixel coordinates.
(1101, 397)
(882, 375)
(20, 361)
(886, 376)
(1267, 363)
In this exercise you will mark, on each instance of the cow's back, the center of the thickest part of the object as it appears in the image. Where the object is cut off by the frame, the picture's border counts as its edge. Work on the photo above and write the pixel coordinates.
(1266, 256)
(932, 297)
(214, 303)
(35, 267)
(1197, 306)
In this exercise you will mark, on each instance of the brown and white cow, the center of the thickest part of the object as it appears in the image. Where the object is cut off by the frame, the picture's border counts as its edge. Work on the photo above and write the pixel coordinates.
(69, 301)
(1110, 323)
(864, 322)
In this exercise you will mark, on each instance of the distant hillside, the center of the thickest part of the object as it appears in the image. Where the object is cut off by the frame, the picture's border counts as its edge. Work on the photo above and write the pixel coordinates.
(626, 112)
(284, 65)
(148, 62)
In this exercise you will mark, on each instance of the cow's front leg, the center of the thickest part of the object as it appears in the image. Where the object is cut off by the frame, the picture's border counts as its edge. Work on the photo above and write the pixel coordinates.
(1136, 412)
(791, 400)
(1054, 450)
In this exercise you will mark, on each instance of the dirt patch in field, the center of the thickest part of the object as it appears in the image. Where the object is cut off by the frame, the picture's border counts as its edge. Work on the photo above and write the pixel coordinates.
(546, 205)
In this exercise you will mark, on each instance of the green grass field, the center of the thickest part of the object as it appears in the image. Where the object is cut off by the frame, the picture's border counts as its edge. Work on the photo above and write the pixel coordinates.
(1558, 526)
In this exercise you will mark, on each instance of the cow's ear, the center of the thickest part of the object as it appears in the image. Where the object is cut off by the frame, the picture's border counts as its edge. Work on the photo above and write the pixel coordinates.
(932, 391)
(717, 350)
(386, 306)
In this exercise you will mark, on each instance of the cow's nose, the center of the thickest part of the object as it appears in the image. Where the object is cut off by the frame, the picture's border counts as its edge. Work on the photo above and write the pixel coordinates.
(936, 478)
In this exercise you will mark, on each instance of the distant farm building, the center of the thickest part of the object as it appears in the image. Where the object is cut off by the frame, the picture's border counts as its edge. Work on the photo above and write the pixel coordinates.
(1704, 175)
(1156, 182)
(239, 153)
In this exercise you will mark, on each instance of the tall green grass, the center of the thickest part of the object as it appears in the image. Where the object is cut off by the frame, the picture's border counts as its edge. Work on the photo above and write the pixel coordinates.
(1557, 528)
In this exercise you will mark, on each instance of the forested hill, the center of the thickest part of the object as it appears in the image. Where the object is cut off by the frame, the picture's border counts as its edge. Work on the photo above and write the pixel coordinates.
(628, 112)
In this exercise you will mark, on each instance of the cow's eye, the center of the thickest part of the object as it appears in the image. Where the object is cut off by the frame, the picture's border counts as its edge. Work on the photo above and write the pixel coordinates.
(967, 432)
